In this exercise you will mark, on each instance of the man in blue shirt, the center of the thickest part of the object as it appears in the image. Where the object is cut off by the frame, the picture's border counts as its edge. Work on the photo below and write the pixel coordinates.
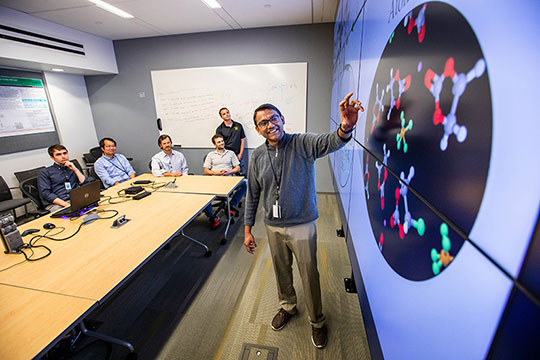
(56, 181)
(112, 168)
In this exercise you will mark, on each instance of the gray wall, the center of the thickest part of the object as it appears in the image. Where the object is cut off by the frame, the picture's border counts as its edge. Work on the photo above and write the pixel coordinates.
(121, 113)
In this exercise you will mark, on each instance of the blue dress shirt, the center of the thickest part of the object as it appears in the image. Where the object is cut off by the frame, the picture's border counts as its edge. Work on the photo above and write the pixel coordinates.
(114, 170)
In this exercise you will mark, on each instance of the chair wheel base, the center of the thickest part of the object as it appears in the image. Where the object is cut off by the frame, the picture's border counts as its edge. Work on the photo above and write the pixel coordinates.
(223, 241)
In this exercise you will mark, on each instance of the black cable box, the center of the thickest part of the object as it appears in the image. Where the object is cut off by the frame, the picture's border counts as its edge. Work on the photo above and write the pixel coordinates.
(134, 190)
(139, 182)
(141, 195)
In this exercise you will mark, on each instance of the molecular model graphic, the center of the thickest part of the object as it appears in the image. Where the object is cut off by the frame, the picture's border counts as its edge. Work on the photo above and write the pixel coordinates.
(366, 176)
(428, 130)
(408, 221)
(434, 82)
(442, 258)
(400, 137)
(420, 22)
(377, 107)
(379, 166)
(403, 85)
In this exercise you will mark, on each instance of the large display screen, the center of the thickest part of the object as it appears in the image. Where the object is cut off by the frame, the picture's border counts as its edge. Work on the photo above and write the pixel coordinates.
(439, 191)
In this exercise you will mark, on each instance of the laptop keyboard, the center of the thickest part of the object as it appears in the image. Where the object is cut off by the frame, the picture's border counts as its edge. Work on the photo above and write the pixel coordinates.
(64, 211)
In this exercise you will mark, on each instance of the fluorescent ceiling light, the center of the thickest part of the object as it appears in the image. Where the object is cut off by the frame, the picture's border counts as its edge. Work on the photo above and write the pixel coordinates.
(212, 4)
(57, 69)
(112, 9)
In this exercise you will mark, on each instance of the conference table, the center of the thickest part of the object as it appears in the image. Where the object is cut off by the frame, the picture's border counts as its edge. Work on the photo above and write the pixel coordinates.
(86, 269)
(32, 319)
(221, 186)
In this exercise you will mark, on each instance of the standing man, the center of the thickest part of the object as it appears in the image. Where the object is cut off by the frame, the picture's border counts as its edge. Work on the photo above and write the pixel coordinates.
(56, 181)
(112, 168)
(234, 137)
(282, 172)
(222, 162)
(168, 162)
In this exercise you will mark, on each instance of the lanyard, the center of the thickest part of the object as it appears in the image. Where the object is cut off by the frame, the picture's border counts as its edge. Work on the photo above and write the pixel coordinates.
(116, 166)
(278, 180)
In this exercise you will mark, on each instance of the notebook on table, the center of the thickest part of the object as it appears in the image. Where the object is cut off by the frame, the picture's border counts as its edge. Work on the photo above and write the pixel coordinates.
(81, 198)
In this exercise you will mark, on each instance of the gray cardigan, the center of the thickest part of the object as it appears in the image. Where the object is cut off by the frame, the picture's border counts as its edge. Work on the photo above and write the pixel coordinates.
(294, 159)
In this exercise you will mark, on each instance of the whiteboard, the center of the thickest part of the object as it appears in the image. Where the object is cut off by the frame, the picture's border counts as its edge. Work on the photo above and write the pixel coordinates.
(188, 100)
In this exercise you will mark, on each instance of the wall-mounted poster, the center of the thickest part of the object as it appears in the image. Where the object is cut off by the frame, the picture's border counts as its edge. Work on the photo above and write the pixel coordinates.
(26, 118)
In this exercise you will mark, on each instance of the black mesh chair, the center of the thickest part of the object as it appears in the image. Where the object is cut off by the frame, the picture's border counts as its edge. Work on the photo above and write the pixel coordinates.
(77, 164)
(96, 152)
(30, 190)
(95, 177)
(7, 202)
(89, 159)
(27, 174)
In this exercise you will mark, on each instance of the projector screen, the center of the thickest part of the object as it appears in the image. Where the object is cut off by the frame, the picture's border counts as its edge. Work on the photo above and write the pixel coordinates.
(439, 191)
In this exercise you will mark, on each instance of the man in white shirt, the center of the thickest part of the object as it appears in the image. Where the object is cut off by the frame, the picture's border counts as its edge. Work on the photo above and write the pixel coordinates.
(222, 162)
(168, 162)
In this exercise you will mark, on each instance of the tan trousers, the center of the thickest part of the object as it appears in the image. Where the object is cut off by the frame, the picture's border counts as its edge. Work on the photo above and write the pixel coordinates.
(300, 240)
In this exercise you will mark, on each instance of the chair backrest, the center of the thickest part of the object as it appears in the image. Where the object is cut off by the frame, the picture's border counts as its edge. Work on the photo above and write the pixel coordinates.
(150, 165)
(96, 152)
(5, 193)
(92, 173)
(30, 189)
(89, 159)
(27, 174)
(77, 164)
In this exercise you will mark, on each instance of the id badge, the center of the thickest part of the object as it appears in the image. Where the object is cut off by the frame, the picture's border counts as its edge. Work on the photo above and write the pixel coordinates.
(276, 210)
(67, 184)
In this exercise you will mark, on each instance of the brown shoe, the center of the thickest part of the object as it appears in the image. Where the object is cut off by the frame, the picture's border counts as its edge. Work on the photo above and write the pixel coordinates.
(319, 337)
(280, 320)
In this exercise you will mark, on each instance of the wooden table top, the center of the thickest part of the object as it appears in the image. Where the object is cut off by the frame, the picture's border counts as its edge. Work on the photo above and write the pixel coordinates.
(31, 320)
(99, 258)
(193, 184)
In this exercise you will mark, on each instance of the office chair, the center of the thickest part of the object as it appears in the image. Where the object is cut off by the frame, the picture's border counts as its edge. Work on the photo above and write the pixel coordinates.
(30, 190)
(77, 164)
(27, 174)
(89, 159)
(94, 177)
(7, 202)
(96, 152)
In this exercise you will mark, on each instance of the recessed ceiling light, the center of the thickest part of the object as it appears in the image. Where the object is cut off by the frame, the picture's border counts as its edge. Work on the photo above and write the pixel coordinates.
(212, 4)
(267, 5)
(57, 69)
(112, 9)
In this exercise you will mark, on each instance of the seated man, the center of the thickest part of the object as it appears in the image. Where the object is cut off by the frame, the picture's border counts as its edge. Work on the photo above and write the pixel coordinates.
(222, 162)
(56, 181)
(168, 162)
(112, 168)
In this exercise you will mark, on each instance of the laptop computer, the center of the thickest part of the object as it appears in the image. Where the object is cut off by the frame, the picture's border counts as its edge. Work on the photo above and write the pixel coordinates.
(81, 198)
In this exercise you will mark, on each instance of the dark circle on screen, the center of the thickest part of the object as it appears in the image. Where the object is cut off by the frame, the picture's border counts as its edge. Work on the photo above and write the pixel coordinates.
(452, 180)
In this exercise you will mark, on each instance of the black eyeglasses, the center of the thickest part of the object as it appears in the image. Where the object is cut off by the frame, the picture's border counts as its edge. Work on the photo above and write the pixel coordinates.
(264, 123)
